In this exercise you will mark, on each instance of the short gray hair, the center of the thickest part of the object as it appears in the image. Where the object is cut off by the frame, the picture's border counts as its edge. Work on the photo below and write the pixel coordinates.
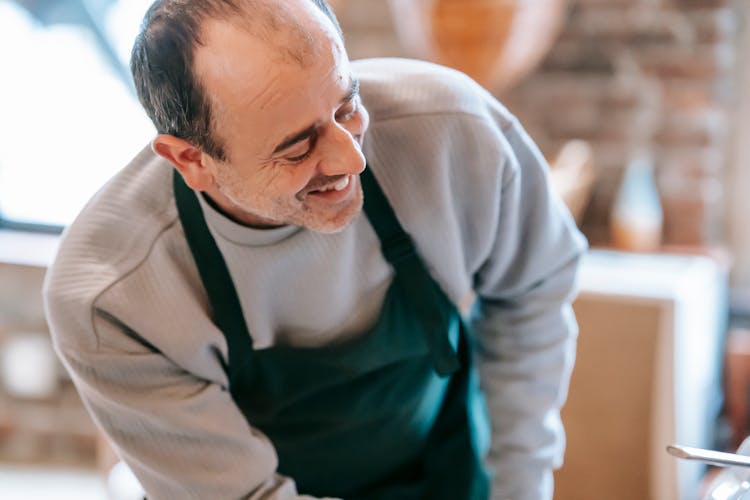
(162, 66)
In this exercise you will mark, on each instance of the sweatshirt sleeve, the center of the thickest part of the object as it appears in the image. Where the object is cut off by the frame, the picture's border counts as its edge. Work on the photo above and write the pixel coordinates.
(524, 322)
(182, 436)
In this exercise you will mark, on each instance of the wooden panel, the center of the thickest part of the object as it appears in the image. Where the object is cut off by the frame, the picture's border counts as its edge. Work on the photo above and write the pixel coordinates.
(607, 417)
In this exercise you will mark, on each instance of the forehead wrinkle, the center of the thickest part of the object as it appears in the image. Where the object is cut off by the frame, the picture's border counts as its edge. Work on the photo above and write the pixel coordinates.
(268, 94)
(289, 38)
(302, 49)
(298, 45)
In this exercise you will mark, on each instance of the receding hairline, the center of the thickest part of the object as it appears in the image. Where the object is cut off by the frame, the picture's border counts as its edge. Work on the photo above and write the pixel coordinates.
(292, 38)
(266, 19)
(184, 110)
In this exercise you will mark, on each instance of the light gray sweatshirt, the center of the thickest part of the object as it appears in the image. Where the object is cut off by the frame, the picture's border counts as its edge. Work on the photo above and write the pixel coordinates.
(131, 321)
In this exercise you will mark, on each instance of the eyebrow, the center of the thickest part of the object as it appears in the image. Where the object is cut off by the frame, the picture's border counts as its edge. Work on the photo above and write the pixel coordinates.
(308, 132)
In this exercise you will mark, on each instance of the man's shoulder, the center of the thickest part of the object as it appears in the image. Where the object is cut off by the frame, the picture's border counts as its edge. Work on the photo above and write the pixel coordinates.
(121, 217)
(395, 88)
(111, 236)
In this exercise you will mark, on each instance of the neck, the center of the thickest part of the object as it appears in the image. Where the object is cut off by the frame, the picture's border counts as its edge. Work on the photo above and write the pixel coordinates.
(229, 209)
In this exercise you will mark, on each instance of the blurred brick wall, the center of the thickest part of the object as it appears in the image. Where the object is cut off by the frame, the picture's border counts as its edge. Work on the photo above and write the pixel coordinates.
(54, 428)
(623, 72)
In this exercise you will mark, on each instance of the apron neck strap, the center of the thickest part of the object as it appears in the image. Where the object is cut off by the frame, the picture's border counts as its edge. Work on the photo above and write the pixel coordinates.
(426, 297)
(395, 244)
(227, 310)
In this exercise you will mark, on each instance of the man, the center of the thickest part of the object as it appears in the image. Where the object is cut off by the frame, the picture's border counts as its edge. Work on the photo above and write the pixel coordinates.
(240, 328)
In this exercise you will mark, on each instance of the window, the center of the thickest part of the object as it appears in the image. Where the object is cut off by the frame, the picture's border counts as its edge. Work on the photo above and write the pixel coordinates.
(69, 117)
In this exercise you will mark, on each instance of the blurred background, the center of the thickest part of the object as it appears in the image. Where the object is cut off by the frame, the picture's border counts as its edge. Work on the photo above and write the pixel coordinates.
(642, 108)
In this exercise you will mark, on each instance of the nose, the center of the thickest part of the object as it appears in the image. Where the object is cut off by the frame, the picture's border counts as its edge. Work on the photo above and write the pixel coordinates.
(341, 153)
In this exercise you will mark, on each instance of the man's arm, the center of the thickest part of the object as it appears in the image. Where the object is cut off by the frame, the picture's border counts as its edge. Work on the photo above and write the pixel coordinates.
(525, 325)
(182, 436)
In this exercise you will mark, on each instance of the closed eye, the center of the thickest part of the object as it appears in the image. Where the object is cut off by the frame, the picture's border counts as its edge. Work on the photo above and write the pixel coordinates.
(306, 154)
(300, 158)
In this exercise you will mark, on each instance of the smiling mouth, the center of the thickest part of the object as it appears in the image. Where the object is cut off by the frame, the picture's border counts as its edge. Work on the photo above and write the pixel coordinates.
(335, 192)
(337, 186)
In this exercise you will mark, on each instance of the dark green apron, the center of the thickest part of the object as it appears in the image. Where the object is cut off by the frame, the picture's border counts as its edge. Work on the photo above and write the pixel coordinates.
(394, 414)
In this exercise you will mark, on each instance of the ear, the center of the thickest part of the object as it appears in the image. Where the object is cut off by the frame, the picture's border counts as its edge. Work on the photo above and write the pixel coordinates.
(187, 159)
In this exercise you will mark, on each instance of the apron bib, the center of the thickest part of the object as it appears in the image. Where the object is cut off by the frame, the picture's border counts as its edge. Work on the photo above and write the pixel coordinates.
(394, 414)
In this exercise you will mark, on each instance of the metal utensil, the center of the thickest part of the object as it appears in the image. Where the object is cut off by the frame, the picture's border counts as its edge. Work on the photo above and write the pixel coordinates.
(718, 458)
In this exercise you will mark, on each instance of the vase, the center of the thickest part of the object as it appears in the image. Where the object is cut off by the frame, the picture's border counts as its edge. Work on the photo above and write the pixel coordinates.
(636, 219)
(496, 42)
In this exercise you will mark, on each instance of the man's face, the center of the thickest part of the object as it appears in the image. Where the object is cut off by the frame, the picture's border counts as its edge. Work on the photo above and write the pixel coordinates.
(292, 127)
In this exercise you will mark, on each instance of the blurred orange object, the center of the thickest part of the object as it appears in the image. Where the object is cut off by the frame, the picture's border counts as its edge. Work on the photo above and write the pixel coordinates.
(496, 42)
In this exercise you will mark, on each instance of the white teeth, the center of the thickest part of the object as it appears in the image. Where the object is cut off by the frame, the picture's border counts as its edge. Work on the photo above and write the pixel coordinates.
(340, 185)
